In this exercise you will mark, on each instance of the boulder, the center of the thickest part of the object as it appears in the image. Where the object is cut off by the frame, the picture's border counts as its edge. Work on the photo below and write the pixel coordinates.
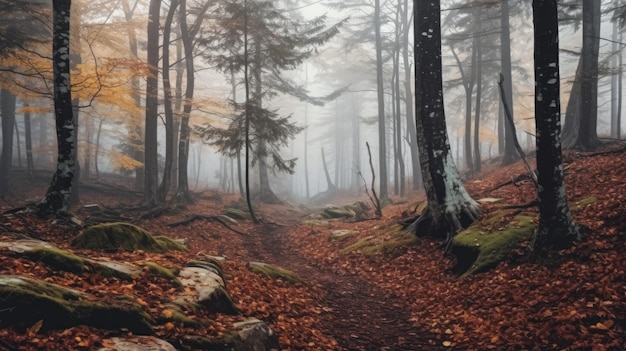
(41, 251)
(274, 272)
(249, 335)
(207, 280)
(125, 236)
(26, 301)
(136, 343)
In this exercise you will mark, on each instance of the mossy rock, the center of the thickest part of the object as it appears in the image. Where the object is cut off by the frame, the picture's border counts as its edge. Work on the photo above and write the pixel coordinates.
(579, 205)
(249, 335)
(484, 244)
(342, 233)
(25, 301)
(317, 223)
(57, 259)
(274, 272)
(166, 273)
(334, 212)
(125, 236)
(174, 312)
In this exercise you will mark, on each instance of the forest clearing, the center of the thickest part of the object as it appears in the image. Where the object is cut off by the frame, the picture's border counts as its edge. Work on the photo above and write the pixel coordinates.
(391, 297)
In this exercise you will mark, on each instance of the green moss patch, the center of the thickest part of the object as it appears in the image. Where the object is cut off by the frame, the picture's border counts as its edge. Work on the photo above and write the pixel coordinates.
(166, 273)
(398, 240)
(484, 244)
(57, 259)
(25, 301)
(125, 236)
(274, 272)
(583, 203)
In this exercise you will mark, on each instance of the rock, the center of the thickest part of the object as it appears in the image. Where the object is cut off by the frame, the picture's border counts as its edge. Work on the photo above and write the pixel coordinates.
(317, 223)
(159, 271)
(234, 213)
(334, 212)
(480, 247)
(273, 271)
(136, 343)
(342, 233)
(41, 251)
(207, 280)
(126, 236)
(115, 269)
(249, 335)
(25, 301)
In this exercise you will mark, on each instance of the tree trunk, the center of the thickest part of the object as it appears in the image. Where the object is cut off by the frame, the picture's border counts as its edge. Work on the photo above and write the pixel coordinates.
(7, 108)
(151, 176)
(166, 181)
(479, 87)
(28, 136)
(410, 116)
(449, 208)
(587, 133)
(615, 51)
(57, 197)
(97, 151)
(397, 101)
(556, 228)
(510, 154)
(572, 111)
(182, 193)
(329, 183)
(382, 143)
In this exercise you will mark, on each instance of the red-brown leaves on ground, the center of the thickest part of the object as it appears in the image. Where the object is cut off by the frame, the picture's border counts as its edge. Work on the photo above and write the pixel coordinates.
(400, 299)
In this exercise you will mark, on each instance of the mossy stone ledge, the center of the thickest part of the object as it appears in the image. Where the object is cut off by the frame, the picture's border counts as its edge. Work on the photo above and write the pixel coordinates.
(123, 236)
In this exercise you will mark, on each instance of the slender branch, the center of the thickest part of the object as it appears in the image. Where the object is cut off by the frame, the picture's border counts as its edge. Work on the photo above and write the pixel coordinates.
(376, 203)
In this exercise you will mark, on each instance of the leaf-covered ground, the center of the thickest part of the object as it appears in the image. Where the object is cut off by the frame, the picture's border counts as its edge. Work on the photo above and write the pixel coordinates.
(397, 298)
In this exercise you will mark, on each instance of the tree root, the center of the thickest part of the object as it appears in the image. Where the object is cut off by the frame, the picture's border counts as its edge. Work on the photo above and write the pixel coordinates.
(445, 224)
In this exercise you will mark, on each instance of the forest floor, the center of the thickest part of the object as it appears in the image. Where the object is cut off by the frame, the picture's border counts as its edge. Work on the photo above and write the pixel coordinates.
(397, 298)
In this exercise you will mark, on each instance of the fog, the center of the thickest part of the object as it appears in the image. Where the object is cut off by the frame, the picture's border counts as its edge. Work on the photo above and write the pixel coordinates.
(344, 63)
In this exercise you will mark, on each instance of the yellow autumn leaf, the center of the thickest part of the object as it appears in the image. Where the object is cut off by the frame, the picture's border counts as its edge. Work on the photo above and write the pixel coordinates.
(167, 313)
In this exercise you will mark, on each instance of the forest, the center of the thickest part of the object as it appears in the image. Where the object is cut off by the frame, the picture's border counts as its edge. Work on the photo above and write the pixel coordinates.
(257, 175)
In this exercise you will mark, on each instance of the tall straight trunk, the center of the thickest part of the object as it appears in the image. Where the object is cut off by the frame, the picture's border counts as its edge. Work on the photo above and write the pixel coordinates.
(615, 51)
(556, 228)
(468, 86)
(356, 143)
(479, 87)
(57, 197)
(398, 115)
(510, 153)
(178, 106)
(137, 130)
(7, 109)
(306, 136)
(382, 143)
(618, 126)
(408, 103)
(97, 151)
(28, 136)
(151, 181)
(166, 180)
(573, 110)
(450, 208)
(18, 143)
(246, 77)
(182, 193)
(587, 133)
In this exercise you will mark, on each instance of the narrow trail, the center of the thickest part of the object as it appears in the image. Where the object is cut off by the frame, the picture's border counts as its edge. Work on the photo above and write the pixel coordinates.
(362, 316)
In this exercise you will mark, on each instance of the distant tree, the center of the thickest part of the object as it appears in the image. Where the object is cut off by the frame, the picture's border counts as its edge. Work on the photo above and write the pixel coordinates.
(7, 110)
(450, 208)
(57, 197)
(277, 44)
(556, 228)
(580, 128)
(510, 153)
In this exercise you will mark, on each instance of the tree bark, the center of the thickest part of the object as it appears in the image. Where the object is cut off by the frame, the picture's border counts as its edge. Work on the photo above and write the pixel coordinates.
(556, 228)
(410, 115)
(450, 208)
(7, 108)
(510, 154)
(57, 197)
(479, 88)
(151, 175)
(28, 136)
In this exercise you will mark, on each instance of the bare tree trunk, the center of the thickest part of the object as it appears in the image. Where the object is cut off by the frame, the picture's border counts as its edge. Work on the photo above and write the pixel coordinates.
(479, 86)
(7, 107)
(410, 116)
(97, 151)
(30, 165)
(510, 154)
(247, 131)
(382, 143)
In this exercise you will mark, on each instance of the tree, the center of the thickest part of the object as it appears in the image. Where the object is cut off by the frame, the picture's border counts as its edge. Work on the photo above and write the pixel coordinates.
(510, 154)
(7, 110)
(57, 197)
(556, 228)
(382, 144)
(580, 129)
(151, 167)
(450, 208)
(277, 44)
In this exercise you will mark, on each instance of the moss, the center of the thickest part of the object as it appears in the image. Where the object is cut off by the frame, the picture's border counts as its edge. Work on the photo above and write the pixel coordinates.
(398, 240)
(126, 236)
(115, 269)
(364, 242)
(583, 203)
(175, 313)
(317, 223)
(235, 213)
(342, 234)
(166, 273)
(57, 259)
(226, 342)
(24, 301)
(484, 244)
(272, 271)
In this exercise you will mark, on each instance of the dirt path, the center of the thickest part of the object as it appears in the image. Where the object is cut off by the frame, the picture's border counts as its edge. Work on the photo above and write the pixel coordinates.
(362, 316)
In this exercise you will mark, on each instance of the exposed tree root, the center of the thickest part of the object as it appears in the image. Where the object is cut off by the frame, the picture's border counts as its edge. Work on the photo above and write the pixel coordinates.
(444, 224)
(195, 216)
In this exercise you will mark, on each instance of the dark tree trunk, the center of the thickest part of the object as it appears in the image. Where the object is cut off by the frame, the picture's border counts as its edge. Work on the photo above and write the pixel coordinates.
(587, 135)
(182, 193)
(556, 228)
(510, 154)
(246, 78)
(7, 109)
(329, 183)
(57, 197)
(151, 176)
(166, 181)
(398, 113)
(479, 88)
(382, 143)
(449, 208)
(410, 116)
(572, 111)
(28, 136)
